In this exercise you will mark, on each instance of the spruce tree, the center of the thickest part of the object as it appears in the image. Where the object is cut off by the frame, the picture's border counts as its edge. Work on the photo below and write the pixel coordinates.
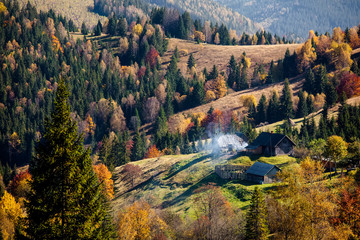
(331, 95)
(261, 110)
(302, 110)
(138, 150)
(286, 101)
(232, 71)
(65, 201)
(256, 227)
(273, 109)
(243, 79)
(191, 61)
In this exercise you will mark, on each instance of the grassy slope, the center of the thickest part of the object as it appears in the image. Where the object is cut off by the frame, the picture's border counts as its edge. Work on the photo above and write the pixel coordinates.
(206, 55)
(170, 182)
(77, 10)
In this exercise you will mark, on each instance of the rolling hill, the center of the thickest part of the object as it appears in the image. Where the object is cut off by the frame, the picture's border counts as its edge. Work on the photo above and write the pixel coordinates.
(295, 18)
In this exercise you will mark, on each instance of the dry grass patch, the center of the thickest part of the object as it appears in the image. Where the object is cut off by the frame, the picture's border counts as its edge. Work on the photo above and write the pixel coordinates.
(77, 10)
(206, 55)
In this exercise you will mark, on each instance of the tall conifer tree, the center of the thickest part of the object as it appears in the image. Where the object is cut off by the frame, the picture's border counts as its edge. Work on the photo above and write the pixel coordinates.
(65, 200)
(286, 101)
(256, 227)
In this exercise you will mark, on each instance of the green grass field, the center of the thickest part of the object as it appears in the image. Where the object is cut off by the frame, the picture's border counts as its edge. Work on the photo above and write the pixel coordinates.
(174, 186)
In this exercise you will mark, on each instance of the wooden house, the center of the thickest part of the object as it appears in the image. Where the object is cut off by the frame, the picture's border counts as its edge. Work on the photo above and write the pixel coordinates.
(262, 173)
(271, 144)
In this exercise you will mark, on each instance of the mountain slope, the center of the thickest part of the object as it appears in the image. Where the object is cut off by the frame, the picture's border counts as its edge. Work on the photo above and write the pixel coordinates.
(296, 18)
(212, 11)
(78, 10)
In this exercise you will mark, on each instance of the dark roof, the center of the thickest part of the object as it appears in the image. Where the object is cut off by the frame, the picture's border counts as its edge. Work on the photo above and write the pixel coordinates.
(268, 139)
(260, 169)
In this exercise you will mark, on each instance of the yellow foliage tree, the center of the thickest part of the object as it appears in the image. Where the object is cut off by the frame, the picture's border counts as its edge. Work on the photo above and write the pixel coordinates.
(138, 29)
(248, 100)
(10, 213)
(199, 36)
(220, 86)
(210, 96)
(306, 56)
(140, 222)
(336, 149)
(104, 176)
(338, 35)
(340, 55)
(217, 39)
(303, 206)
(90, 125)
(2, 7)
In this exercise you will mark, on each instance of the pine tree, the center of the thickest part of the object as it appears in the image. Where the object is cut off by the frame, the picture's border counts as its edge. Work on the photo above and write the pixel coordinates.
(65, 200)
(302, 110)
(198, 94)
(121, 27)
(84, 29)
(191, 61)
(256, 227)
(243, 79)
(273, 110)
(261, 110)
(138, 150)
(232, 71)
(309, 84)
(331, 95)
(213, 74)
(286, 101)
(310, 104)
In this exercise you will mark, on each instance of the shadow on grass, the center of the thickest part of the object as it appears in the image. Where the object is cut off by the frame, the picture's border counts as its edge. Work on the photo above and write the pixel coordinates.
(141, 185)
(213, 178)
(189, 164)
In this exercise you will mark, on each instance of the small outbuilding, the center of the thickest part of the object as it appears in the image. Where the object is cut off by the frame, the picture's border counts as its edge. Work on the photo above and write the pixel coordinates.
(262, 173)
(272, 144)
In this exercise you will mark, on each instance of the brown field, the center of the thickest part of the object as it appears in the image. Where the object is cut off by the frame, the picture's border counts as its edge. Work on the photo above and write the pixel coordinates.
(206, 55)
(77, 10)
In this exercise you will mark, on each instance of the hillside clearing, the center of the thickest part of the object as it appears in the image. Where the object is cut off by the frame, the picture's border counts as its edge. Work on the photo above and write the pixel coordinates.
(77, 10)
(206, 55)
(170, 182)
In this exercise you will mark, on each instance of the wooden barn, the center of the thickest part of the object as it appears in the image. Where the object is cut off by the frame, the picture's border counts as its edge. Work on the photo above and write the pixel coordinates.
(262, 173)
(271, 144)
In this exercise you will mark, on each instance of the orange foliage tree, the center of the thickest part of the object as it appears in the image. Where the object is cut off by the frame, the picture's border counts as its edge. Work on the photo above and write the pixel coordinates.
(20, 186)
(104, 176)
(153, 152)
(349, 84)
(349, 211)
(139, 222)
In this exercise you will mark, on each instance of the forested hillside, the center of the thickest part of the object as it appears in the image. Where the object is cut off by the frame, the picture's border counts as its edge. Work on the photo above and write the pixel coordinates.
(208, 10)
(296, 18)
(122, 102)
